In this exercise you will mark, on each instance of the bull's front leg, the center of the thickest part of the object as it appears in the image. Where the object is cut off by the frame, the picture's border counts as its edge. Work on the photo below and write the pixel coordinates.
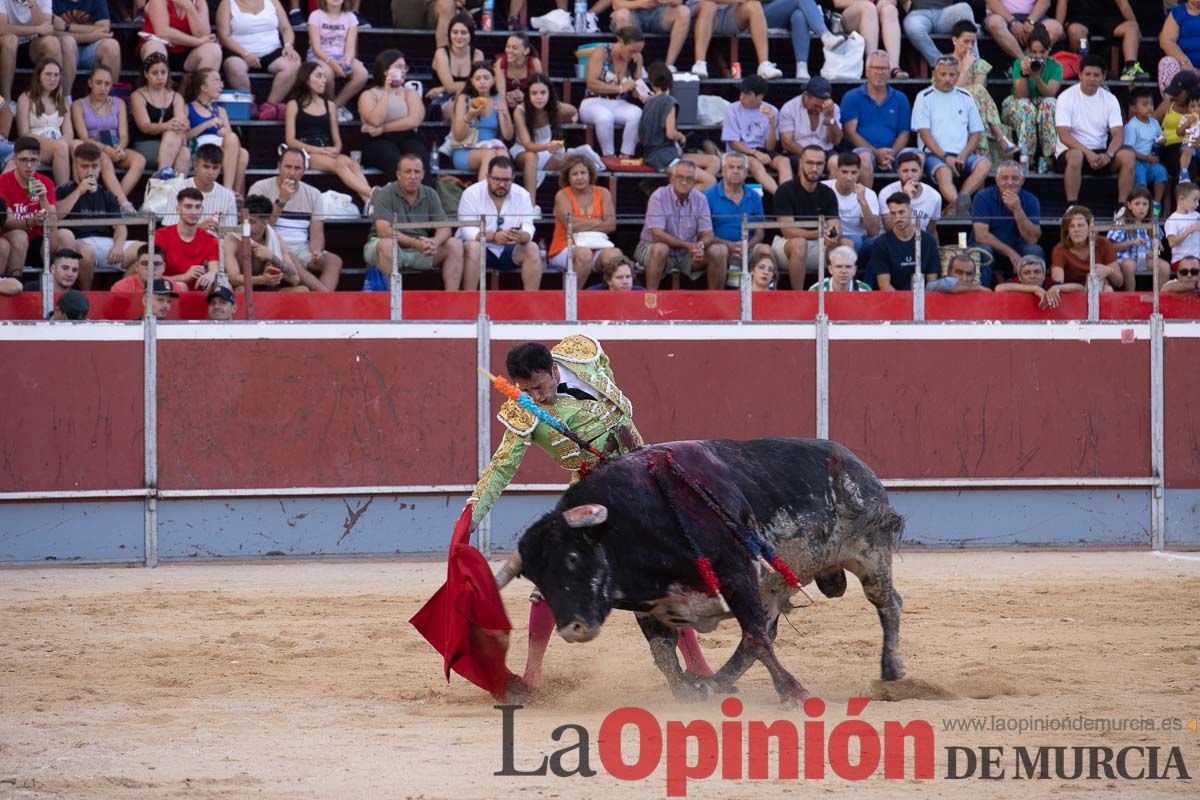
(758, 636)
(662, 640)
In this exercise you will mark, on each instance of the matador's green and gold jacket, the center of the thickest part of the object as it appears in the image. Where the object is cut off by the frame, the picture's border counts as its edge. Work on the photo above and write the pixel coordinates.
(606, 422)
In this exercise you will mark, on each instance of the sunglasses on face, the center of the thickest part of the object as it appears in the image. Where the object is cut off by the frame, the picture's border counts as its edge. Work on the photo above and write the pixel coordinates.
(1188, 272)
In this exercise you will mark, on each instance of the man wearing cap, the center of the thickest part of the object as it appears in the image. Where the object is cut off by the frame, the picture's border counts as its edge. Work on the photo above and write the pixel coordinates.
(811, 118)
(221, 304)
(71, 306)
(948, 125)
(164, 293)
(64, 272)
(574, 382)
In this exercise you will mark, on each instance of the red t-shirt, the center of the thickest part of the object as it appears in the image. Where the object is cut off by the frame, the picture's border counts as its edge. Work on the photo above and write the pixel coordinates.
(133, 285)
(180, 256)
(16, 196)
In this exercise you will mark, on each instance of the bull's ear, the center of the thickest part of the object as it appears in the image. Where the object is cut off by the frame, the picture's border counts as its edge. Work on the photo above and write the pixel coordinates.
(585, 516)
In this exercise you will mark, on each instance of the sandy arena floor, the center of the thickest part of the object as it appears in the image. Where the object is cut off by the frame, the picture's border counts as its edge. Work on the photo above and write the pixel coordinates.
(305, 680)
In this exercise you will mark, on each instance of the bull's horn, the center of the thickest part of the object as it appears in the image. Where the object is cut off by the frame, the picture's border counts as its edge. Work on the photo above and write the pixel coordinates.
(510, 570)
(585, 516)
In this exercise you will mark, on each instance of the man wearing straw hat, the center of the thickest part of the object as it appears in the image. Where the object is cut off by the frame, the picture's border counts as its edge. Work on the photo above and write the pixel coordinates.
(573, 382)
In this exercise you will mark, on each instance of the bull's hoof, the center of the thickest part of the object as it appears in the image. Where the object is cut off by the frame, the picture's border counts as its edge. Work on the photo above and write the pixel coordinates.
(723, 687)
(687, 691)
(793, 701)
(892, 671)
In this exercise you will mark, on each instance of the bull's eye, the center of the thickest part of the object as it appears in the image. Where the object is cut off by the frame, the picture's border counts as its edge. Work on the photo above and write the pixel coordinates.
(572, 560)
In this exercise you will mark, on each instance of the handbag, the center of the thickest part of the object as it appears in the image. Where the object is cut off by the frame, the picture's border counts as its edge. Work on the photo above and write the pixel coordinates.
(161, 195)
(593, 240)
(339, 206)
(981, 257)
(845, 62)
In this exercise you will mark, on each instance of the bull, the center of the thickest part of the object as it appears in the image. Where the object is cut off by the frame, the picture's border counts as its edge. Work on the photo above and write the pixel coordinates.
(622, 539)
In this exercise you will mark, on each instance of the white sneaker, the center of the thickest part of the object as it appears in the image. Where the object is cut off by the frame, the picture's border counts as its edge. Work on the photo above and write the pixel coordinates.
(832, 41)
(802, 71)
(700, 69)
(672, 68)
(769, 71)
(344, 115)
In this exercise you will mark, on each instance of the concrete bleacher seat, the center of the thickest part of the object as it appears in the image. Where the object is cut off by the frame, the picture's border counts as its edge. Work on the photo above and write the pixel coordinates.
(345, 237)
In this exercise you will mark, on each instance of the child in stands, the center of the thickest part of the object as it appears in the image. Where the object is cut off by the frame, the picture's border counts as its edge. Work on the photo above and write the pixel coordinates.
(1134, 246)
(1183, 227)
(333, 41)
(662, 142)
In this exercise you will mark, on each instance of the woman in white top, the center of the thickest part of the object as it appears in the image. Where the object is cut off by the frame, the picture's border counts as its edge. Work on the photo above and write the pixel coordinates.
(42, 113)
(257, 36)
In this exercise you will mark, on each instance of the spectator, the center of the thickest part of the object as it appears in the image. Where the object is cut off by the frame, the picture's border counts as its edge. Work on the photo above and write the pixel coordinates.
(335, 47)
(617, 276)
(1029, 108)
(160, 116)
(1175, 106)
(407, 200)
(72, 306)
(678, 234)
(1187, 277)
(539, 135)
(86, 37)
(209, 124)
(963, 277)
(272, 267)
(84, 197)
(948, 125)
(1180, 42)
(64, 272)
(972, 76)
(671, 17)
(508, 216)
(392, 114)
(893, 258)
(1188, 131)
(1071, 258)
(220, 204)
(593, 219)
(802, 200)
(1133, 245)
(516, 67)
(1031, 278)
(29, 197)
(161, 299)
(728, 202)
(811, 119)
(188, 250)
(612, 74)
(763, 272)
(26, 35)
(440, 15)
(1091, 133)
(926, 202)
(805, 19)
(222, 304)
(43, 114)
(256, 36)
(1012, 23)
(481, 124)
(843, 264)
(1006, 220)
(298, 216)
(730, 18)
(750, 129)
(136, 282)
(933, 16)
(870, 18)
(1183, 227)
(310, 124)
(1112, 19)
(876, 120)
(662, 142)
(1144, 135)
(453, 63)
(858, 206)
(181, 30)
(100, 119)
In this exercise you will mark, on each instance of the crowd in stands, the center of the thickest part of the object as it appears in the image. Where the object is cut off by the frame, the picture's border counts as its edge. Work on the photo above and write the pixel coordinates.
(919, 142)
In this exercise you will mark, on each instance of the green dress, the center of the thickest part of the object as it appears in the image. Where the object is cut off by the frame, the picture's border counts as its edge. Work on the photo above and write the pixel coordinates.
(606, 422)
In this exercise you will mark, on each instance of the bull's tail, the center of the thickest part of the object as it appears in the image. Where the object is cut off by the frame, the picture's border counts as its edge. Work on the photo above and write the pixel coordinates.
(880, 524)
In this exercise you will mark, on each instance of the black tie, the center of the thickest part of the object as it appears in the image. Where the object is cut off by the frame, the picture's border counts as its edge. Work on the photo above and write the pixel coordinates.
(578, 394)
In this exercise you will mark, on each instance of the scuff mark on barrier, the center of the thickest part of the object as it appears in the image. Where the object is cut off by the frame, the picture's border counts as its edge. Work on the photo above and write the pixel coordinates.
(352, 517)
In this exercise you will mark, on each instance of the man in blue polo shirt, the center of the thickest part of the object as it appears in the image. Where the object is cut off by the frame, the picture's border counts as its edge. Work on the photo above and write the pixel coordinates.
(728, 200)
(875, 120)
(1006, 222)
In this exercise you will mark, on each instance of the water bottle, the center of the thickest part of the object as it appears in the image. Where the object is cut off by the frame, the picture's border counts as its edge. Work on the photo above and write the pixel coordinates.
(1083, 48)
(581, 16)
(489, 11)
(1024, 163)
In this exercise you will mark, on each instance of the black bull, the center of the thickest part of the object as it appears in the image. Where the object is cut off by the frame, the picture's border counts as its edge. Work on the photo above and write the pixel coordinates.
(821, 508)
